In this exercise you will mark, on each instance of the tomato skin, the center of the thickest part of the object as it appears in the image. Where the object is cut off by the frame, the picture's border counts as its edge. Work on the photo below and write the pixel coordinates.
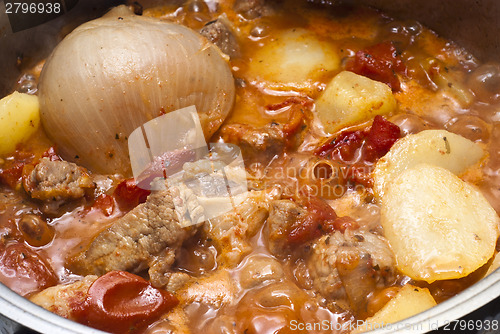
(106, 204)
(345, 145)
(23, 270)
(383, 134)
(51, 154)
(379, 62)
(319, 219)
(128, 194)
(307, 229)
(120, 302)
(374, 142)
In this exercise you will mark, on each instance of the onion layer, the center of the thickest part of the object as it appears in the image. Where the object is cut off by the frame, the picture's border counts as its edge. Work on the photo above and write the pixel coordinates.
(113, 74)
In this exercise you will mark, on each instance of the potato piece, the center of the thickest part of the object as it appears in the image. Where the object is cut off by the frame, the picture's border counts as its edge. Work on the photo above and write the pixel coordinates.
(410, 300)
(351, 98)
(434, 147)
(438, 226)
(295, 59)
(495, 264)
(19, 119)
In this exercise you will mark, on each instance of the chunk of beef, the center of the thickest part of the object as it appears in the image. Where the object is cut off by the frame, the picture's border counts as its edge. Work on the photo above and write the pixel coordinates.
(23, 270)
(260, 144)
(347, 267)
(215, 290)
(159, 267)
(146, 237)
(282, 216)
(174, 322)
(251, 9)
(57, 181)
(379, 62)
(161, 275)
(232, 231)
(62, 299)
(293, 224)
(219, 33)
(268, 140)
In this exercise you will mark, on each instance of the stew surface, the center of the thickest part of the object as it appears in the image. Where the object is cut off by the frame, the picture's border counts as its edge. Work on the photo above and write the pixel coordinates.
(328, 105)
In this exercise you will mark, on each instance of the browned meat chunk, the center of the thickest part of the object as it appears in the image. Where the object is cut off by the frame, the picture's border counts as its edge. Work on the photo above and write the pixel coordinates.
(174, 322)
(215, 290)
(270, 137)
(57, 181)
(347, 267)
(283, 214)
(257, 144)
(263, 143)
(219, 33)
(252, 9)
(146, 237)
(61, 299)
(231, 232)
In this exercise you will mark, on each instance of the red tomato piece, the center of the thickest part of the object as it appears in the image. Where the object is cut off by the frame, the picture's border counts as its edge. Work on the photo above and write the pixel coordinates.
(292, 115)
(319, 220)
(375, 142)
(121, 302)
(12, 171)
(23, 270)
(106, 204)
(345, 145)
(291, 101)
(51, 154)
(305, 230)
(129, 194)
(12, 176)
(360, 174)
(379, 62)
(382, 135)
(295, 123)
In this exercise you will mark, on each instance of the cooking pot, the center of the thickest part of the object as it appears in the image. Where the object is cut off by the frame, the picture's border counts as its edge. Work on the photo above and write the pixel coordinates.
(475, 25)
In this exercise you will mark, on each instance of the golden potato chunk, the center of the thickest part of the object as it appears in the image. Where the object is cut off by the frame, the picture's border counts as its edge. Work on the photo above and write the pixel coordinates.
(296, 59)
(19, 119)
(350, 99)
(438, 226)
(410, 300)
(434, 147)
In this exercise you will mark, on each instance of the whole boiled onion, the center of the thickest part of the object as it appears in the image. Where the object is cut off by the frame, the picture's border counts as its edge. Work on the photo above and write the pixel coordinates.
(113, 74)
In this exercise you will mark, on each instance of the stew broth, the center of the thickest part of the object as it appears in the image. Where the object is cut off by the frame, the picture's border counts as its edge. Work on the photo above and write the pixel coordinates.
(437, 85)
